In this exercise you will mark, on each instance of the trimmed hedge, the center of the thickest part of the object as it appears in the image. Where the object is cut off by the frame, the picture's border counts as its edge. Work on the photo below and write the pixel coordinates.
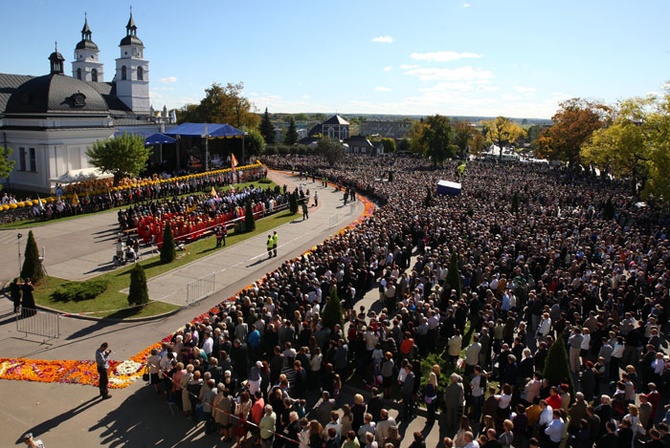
(79, 291)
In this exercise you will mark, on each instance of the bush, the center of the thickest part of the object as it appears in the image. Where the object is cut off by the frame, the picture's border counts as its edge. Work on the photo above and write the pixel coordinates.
(557, 367)
(249, 221)
(79, 291)
(32, 268)
(265, 180)
(429, 199)
(608, 210)
(139, 293)
(333, 313)
(168, 249)
(454, 274)
(293, 203)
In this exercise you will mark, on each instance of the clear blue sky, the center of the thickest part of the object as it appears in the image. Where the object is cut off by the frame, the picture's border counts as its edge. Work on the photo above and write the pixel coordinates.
(516, 58)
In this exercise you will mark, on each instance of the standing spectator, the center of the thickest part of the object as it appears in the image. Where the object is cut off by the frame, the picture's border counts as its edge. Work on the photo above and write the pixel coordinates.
(358, 412)
(470, 441)
(554, 430)
(407, 391)
(102, 364)
(31, 442)
(454, 399)
(300, 381)
(268, 426)
(472, 355)
(418, 441)
(383, 427)
(28, 307)
(269, 243)
(477, 389)
(15, 293)
(459, 438)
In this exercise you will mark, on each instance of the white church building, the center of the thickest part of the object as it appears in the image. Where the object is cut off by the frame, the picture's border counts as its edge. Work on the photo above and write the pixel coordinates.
(50, 121)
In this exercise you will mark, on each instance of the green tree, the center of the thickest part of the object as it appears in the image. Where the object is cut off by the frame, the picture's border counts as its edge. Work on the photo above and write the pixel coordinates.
(122, 156)
(6, 164)
(477, 143)
(222, 104)
(138, 294)
(437, 139)
(331, 150)
(623, 148)
(32, 267)
(403, 145)
(574, 123)
(267, 129)
(556, 366)
(463, 132)
(168, 249)
(416, 143)
(657, 133)
(254, 144)
(333, 313)
(249, 221)
(502, 132)
(454, 274)
(389, 145)
(291, 137)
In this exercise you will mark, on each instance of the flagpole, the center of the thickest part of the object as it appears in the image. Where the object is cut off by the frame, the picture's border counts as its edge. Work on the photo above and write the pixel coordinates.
(206, 148)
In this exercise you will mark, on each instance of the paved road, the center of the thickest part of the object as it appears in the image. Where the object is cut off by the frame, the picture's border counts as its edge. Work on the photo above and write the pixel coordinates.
(77, 248)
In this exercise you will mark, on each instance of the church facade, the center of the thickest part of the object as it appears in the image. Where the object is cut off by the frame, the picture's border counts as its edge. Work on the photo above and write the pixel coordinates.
(50, 121)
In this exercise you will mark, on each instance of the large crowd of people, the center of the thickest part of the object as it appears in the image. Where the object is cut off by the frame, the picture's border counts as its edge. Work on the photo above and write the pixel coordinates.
(544, 254)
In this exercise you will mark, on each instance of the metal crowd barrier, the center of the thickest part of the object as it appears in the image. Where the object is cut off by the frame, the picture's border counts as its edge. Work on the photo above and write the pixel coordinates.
(39, 323)
(200, 289)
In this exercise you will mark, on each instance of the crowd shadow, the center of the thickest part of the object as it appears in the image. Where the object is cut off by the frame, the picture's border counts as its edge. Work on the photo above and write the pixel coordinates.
(54, 422)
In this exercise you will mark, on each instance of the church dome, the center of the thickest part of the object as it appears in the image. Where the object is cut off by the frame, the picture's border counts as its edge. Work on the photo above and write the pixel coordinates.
(131, 34)
(55, 93)
(131, 40)
(86, 45)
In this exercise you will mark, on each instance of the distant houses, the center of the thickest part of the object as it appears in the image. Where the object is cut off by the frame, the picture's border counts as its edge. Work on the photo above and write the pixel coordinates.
(337, 128)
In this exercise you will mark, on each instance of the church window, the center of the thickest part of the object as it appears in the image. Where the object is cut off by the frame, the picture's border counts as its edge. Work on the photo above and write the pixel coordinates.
(124, 73)
(22, 159)
(140, 73)
(78, 73)
(94, 75)
(33, 160)
(78, 99)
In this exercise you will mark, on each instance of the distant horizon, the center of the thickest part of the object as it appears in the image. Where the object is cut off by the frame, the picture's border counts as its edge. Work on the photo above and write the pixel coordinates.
(413, 116)
(453, 57)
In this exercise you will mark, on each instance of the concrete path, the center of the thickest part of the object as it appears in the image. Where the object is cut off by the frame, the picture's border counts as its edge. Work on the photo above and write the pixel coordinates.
(65, 414)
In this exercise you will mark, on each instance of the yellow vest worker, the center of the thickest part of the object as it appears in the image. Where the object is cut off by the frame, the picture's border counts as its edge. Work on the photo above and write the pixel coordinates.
(275, 238)
(270, 244)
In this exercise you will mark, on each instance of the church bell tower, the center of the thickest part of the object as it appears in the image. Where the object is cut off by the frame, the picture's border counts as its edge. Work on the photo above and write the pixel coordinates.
(132, 72)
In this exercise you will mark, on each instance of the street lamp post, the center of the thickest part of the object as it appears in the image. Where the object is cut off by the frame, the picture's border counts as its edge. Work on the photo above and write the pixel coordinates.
(18, 243)
(206, 148)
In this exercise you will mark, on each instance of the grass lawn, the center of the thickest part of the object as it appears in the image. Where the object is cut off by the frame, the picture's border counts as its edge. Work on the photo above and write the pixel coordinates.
(109, 303)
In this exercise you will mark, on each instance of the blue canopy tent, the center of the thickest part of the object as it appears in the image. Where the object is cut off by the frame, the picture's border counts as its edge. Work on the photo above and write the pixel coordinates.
(158, 139)
(207, 131)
